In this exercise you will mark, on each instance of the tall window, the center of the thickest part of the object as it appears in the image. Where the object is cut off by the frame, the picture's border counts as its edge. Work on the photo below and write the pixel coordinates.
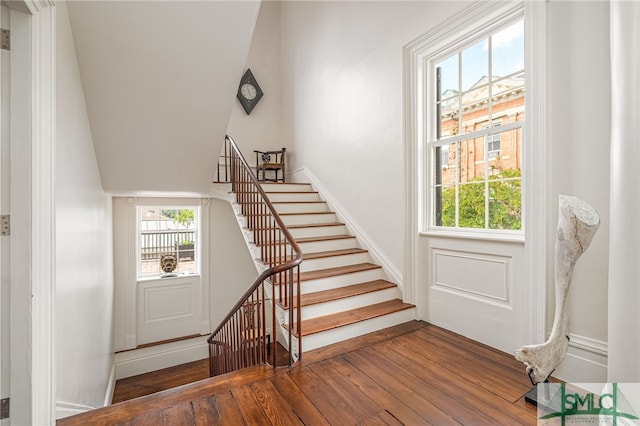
(478, 111)
(167, 231)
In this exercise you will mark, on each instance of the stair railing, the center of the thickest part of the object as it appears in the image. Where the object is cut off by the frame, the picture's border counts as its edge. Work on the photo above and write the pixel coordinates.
(241, 340)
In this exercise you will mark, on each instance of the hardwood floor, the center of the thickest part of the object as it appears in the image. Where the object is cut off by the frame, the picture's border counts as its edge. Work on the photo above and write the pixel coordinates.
(156, 381)
(412, 374)
(168, 378)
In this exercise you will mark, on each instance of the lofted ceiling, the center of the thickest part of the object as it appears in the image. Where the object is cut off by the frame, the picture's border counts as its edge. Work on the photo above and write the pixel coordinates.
(159, 80)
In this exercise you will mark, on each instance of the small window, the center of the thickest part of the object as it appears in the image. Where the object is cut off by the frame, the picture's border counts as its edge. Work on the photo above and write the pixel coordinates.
(444, 156)
(493, 144)
(168, 231)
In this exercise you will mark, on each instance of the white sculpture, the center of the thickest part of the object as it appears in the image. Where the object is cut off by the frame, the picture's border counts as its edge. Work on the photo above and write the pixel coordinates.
(577, 224)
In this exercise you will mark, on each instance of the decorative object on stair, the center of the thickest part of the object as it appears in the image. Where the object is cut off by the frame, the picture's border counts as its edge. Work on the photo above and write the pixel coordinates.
(577, 224)
(249, 92)
(168, 263)
(271, 161)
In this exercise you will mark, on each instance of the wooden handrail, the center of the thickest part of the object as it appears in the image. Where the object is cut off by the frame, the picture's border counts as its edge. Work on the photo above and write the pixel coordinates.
(241, 339)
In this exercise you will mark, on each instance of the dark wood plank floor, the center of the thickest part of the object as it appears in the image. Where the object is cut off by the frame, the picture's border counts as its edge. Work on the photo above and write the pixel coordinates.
(412, 374)
(156, 381)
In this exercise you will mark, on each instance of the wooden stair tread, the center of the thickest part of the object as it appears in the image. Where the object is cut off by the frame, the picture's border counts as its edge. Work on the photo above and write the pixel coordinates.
(340, 270)
(291, 192)
(284, 183)
(315, 225)
(332, 253)
(317, 297)
(301, 226)
(298, 202)
(316, 239)
(325, 238)
(305, 213)
(253, 203)
(325, 254)
(329, 322)
(344, 292)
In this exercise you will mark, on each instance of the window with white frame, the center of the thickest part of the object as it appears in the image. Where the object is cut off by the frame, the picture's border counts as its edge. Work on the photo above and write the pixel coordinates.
(171, 231)
(478, 111)
(493, 144)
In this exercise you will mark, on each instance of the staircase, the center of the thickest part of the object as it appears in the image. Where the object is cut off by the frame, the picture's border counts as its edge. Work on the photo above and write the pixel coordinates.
(344, 294)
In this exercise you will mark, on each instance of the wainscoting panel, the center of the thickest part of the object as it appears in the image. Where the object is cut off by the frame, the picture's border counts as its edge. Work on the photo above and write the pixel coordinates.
(472, 275)
(475, 288)
(168, 308)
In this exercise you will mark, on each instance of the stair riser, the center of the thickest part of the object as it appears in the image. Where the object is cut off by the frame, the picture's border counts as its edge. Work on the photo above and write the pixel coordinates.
(285, 187)
(318, 231)
(306, 219)
(276, 197)
(346, 304)
(334, 261)
(317, 246)
(341, 280)
(300, 207)
(339, 334)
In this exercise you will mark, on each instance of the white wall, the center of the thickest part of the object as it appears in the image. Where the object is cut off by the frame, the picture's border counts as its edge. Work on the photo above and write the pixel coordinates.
(342, 103)
(579, 116)
(261, 129)
(84, 277)
(232, 270)
(160, 79)
(342, 116)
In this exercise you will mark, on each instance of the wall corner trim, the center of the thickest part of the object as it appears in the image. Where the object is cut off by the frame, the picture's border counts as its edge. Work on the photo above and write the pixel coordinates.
(111, 387)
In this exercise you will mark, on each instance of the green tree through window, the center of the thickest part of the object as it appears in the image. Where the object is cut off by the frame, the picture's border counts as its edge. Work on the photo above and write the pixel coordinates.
(505, 202)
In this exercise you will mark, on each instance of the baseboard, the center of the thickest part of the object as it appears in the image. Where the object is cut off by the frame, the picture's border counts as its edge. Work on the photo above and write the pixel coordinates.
(378, 255)
(66, 409)
(140, 361)
(111, 387)
(585, 362)
(297, 176)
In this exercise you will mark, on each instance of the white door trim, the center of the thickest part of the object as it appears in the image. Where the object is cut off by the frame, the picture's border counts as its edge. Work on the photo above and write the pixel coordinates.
(32, 207)
(535, 183)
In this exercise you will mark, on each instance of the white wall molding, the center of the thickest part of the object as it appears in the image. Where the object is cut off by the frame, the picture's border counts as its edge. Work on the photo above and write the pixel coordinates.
(536, 178)
(297, 176)
(35, 6)
(111, 387)
(125, 294)
(33, 131)
(376, 253)
(43, 55)
(66, 409)
(586, 361)
(140, 361)
(205, 281)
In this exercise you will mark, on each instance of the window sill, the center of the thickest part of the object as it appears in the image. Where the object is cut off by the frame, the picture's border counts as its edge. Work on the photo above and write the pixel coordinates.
(517, 238)
(161, 278)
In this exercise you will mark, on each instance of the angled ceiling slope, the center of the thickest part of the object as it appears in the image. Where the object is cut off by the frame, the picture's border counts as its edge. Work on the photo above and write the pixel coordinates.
(159, 80)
